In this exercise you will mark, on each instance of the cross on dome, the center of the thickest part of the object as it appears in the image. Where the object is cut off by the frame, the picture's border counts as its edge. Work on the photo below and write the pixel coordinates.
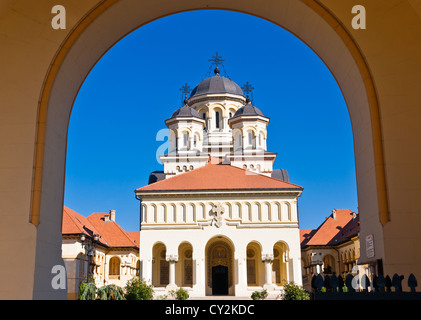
(185, 90)
(216, 60)
(247, 88)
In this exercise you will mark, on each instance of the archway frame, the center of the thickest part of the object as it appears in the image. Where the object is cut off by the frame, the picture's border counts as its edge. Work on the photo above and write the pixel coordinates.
(62, 83)
(228, 245)
(322, 11)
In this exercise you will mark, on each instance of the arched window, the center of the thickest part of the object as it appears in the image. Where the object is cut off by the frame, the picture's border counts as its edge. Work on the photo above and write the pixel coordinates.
(114, 268)
(160, 266)
(217, 119)
(186, 140)
(279, 264)
(184, 266)
(254, 264)
(251, 139)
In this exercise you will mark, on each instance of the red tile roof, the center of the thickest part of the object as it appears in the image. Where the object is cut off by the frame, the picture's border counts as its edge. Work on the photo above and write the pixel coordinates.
(75, 223)
(219, 177)
(305, 236)
(110, 233)
(332, 231)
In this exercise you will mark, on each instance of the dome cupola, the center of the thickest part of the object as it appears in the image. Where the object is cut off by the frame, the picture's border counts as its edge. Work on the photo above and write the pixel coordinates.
(248, 110)
(216, 85)
(185, 111)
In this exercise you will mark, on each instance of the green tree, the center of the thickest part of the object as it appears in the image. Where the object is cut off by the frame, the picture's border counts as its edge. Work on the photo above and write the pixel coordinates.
(138, 289)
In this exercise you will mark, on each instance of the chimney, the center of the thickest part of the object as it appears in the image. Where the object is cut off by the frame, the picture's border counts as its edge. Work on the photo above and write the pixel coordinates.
(112, 215)
(334, 214)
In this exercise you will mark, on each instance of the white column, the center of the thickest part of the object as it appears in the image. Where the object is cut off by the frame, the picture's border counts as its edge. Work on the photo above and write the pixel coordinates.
(172, 259)
(172, 273)
(268, 272)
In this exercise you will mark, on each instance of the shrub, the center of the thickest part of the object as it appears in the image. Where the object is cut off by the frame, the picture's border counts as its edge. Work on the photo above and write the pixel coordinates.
(138, 289)
(294, 292)
(259, 295)
(87, 291)
(110, 292)
(180, 294)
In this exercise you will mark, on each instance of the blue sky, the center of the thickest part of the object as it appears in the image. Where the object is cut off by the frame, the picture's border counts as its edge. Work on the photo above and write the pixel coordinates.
(134, 88)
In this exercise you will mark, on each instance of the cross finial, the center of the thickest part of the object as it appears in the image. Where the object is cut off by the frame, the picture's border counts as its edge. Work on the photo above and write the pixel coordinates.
(247, 88)
(185, 90)
(216, 60)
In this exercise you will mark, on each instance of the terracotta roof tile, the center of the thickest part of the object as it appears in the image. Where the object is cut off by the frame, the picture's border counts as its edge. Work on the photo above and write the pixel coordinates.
(332, 231)
(75, 223)
(218, 177)
(305, 236)
(110, 233)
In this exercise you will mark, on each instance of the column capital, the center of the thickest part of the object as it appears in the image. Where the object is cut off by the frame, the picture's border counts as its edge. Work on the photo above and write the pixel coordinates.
(267, 257)
(172, 257)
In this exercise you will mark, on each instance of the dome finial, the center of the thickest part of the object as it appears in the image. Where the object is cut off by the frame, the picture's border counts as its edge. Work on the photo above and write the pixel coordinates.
(216, 60)
(248, 88)
(185, 90)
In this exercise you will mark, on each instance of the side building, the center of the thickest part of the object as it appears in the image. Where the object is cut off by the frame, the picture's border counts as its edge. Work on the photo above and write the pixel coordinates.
(97, 248)
(332, 248)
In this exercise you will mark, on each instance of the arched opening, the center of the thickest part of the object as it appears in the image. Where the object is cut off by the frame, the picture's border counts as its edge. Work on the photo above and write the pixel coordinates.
(255, 266)
(114, 268)
(184, 266)
(280, 264)
(219, 266)
(329, 265)
(160, 266)
(66, 78)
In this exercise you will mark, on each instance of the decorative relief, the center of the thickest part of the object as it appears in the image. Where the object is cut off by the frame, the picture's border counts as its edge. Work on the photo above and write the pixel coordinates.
(218, 210)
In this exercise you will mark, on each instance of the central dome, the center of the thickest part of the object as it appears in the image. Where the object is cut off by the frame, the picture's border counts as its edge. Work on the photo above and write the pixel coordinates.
(216, 84)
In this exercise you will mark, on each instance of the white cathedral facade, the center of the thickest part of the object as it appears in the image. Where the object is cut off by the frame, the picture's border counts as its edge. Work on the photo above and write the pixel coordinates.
(219, 220)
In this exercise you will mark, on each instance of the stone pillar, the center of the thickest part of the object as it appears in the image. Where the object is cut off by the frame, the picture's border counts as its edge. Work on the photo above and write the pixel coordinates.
(267, 259)
(172, 259)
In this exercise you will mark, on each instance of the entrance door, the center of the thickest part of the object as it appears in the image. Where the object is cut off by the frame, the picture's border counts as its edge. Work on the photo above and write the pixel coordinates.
(220, 280)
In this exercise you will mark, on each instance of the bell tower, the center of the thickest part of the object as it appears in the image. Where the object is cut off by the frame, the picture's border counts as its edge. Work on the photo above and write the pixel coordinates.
(249, 132)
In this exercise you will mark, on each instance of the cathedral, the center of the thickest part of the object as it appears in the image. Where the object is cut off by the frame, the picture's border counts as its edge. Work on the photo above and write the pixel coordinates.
(219, 220)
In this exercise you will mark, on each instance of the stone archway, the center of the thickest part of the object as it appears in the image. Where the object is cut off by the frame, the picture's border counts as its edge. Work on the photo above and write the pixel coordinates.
(219, 256)
(38, 107)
